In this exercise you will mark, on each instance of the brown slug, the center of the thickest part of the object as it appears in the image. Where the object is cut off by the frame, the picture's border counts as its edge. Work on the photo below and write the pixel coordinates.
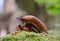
(36, 22)
(32, 23)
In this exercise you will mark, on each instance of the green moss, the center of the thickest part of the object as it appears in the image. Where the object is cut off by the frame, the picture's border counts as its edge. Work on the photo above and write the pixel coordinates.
(28, 36)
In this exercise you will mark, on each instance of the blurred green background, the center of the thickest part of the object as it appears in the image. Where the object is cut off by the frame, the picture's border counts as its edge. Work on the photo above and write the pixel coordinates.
(47, 10)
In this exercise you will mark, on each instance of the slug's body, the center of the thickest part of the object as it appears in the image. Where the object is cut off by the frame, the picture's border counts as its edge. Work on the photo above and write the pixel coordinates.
(36, 22)
(32, 23)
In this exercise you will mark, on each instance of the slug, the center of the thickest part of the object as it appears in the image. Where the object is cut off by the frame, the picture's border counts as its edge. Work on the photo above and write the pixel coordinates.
(36, 22)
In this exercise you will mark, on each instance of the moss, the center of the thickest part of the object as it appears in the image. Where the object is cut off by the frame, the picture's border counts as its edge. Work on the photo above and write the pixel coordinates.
(28, 36)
